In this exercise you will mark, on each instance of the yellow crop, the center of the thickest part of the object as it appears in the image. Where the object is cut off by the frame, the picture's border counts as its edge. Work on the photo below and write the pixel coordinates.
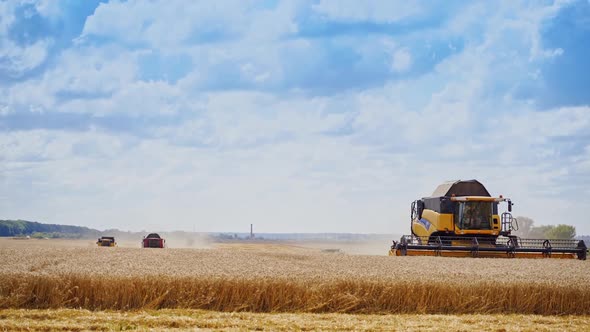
(269, 279)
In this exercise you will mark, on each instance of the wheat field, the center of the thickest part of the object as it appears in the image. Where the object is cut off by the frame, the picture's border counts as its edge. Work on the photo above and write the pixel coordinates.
(281, 278)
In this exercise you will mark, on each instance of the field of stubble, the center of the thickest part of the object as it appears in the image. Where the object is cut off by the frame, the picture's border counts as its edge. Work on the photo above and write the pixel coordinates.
(288, 281)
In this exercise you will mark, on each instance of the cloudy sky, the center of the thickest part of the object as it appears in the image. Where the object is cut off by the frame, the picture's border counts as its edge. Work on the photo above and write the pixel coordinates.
(297, 116)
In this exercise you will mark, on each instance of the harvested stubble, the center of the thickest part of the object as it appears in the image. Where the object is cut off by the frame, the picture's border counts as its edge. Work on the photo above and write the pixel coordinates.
(191, 320)
(270, 281)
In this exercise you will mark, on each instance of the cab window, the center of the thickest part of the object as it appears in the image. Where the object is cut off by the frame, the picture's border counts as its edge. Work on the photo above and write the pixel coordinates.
(474, 215)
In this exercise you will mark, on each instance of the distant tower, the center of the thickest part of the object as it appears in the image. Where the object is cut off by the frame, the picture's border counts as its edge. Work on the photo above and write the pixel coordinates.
(251, 231)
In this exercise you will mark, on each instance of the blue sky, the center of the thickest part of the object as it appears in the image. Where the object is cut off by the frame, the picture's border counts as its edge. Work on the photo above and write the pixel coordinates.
(297, 116)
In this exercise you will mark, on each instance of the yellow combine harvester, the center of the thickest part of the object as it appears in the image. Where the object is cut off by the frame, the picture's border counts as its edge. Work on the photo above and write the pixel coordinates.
(461, 219)
(106, 241)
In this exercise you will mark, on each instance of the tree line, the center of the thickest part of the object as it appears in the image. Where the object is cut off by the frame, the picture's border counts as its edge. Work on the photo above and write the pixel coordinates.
(36, 229)
(527, 229)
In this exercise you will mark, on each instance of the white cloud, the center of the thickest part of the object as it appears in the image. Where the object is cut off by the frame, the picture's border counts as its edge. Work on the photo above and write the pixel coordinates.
(80, 73)
(151, 22)
(246, 175)
(401, 61)
(15, 59)
(48, 8)
(369, 10)
(513, 24)
(287, 160)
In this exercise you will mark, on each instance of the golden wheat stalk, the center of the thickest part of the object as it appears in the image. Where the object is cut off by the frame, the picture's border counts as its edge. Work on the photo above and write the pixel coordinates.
(285, 295)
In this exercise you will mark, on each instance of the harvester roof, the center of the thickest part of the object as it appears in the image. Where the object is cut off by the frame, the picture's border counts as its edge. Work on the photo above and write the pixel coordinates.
(461, 188)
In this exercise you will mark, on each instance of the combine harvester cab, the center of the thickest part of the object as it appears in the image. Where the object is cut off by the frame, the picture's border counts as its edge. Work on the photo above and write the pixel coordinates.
(461, 219)
(106, 241)
(153, 240)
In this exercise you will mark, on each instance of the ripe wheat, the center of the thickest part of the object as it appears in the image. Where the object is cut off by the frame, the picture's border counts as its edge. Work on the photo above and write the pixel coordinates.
(279, 280)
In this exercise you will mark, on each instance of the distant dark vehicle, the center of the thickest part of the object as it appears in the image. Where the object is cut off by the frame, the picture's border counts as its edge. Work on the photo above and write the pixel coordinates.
(153, 240)
(106, 241)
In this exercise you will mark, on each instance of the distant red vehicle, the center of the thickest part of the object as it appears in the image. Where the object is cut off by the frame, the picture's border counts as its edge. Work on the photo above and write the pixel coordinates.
(153, 240)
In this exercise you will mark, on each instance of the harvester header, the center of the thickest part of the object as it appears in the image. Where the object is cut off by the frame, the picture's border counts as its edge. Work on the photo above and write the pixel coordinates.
(461, 219)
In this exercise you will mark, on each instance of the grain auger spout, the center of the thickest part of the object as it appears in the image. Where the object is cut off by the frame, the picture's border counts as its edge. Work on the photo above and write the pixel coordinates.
(461, 219)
